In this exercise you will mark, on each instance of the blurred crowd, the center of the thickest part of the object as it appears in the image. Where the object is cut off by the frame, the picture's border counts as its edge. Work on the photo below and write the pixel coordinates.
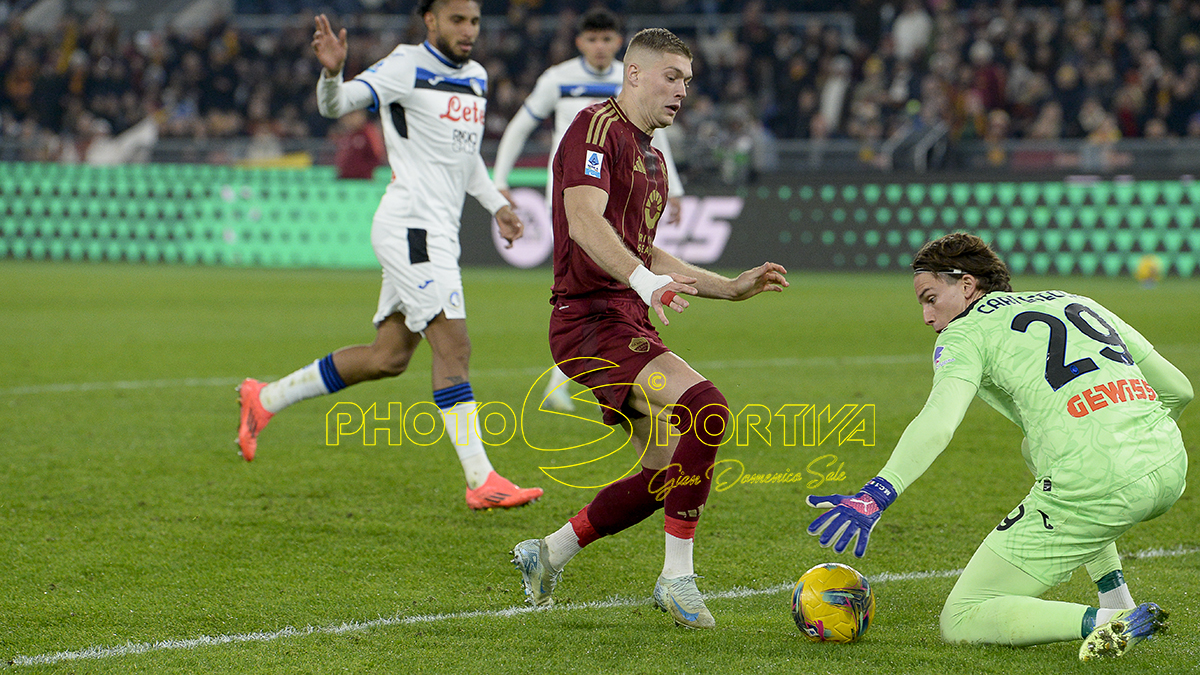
(857, 69)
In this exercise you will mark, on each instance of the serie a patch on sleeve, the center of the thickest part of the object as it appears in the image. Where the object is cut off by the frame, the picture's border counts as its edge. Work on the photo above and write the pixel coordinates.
(941, 358)
(593, 164)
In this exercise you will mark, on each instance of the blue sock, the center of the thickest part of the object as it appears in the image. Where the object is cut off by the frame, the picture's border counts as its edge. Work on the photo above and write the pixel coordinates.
(450, 396)
(329, 374)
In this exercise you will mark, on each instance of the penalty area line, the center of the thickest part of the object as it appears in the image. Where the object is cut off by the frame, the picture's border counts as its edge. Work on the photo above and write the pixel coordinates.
(132, 648)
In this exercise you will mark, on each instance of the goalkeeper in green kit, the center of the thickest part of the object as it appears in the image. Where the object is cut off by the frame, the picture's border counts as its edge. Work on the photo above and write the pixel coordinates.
(1097, 405)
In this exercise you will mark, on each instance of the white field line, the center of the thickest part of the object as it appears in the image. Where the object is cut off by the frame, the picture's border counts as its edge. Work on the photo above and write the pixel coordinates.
(130, 648)
(794, 362)
(812, 361)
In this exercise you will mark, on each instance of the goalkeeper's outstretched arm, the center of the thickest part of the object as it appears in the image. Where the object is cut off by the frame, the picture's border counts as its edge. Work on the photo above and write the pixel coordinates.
(1172, 386)
(929, 433)
(851, 518)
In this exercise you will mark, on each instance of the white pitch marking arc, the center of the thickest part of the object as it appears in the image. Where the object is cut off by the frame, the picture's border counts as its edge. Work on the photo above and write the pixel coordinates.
(131, 648)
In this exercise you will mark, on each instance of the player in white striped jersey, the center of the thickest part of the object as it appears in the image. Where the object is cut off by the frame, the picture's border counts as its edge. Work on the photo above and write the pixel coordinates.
(563, 91)
(431, 99)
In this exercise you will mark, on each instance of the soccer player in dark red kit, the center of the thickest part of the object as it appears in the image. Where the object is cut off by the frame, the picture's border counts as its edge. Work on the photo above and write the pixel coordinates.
(607, 271)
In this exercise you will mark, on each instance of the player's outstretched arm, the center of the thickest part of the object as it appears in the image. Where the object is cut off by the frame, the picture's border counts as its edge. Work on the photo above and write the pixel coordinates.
(589, 229)
(765, 277)
(1171, 385)
(854, 516)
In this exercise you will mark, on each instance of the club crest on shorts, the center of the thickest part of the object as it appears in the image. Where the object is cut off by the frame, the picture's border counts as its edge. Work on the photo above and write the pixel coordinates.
(593, 164)
(640, 345)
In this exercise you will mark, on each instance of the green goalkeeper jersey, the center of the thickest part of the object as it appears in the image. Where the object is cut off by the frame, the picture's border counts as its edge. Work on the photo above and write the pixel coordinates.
(1064, 369)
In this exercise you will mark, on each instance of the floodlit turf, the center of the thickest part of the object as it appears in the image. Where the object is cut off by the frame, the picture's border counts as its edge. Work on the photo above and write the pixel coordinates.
(132, 529)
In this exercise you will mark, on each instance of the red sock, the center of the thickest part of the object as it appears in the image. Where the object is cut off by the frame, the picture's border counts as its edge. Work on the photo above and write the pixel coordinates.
(690, 473)
(624, 503)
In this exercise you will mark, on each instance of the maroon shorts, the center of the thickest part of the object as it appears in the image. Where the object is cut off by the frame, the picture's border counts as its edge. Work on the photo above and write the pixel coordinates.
(597, 334)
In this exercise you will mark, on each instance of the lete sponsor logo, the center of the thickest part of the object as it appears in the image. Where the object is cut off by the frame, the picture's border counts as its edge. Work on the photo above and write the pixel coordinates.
(457, 111)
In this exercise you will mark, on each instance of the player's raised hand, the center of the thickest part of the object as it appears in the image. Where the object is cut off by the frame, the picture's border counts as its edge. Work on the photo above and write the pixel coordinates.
(669, 296)
(329, 48)
(511, 227)
(851, 516)
(765, 277)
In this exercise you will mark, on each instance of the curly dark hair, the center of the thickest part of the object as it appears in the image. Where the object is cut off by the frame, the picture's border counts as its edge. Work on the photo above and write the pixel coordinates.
(960, 253)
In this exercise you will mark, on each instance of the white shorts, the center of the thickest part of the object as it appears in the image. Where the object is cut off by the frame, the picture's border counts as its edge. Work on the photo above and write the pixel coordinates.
(421, 277)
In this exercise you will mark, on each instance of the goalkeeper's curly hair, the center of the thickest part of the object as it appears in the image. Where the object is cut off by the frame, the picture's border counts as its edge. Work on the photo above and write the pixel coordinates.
(960, 253)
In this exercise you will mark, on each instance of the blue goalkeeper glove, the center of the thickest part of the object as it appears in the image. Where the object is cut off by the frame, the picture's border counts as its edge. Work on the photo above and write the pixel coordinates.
(851, 516)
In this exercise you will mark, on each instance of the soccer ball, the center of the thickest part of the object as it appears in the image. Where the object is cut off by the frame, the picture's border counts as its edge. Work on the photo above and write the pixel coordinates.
(833, 603)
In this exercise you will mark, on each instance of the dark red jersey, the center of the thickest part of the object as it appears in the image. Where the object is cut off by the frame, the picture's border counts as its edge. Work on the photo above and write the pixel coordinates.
(602, 148)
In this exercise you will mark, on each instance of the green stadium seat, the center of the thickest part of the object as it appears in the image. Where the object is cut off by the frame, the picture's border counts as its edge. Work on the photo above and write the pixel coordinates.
(1029, 240)
(1076, 194)
(1185, 264)
(916, 194)
(985, 193)
(1064, 217)
(1087, 262)
(961, 193)
(1124, 193)
(1052, 240)
(937, 193)
(1040, 217)
(1018, 217)
(1124, 240)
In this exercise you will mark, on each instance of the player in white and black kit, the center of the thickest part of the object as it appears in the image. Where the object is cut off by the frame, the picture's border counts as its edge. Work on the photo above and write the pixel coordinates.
(431, 99)
(562, 92)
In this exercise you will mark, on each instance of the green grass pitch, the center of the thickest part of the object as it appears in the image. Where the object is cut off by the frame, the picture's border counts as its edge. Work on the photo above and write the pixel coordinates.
(136, 540)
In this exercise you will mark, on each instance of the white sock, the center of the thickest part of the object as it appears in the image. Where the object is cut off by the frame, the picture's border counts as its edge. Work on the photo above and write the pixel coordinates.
(461, 429)
(1104, 615)
(557, 377)
(678, 559)
(1117, 598)
(562, 546)
(303, 384)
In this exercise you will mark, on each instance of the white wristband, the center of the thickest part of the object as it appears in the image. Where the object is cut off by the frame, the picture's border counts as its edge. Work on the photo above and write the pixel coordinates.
(646, 282)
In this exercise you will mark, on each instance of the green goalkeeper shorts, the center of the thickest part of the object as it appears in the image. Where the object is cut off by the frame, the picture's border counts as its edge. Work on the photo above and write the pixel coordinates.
(1048, 537)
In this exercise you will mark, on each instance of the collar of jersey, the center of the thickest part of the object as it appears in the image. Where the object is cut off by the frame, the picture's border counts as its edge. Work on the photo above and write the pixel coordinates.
(587, 68)
(438, 55)
(969, 308)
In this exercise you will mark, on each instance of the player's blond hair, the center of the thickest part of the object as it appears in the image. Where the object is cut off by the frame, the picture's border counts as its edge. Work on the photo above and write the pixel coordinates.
(960, 253)
(659, 41)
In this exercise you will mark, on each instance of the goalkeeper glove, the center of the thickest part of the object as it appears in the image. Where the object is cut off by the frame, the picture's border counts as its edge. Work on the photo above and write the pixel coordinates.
(851, 516)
